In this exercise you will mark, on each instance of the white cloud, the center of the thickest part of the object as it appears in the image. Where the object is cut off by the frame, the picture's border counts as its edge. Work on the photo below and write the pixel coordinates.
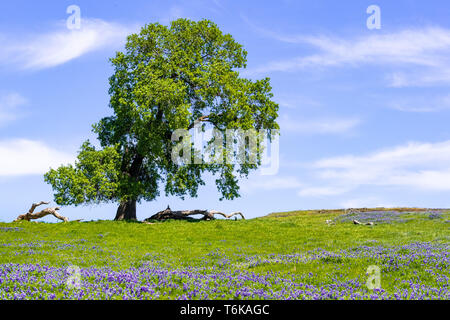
(62, 45)
(28, 157)
(319, 126)
(8, 107)
(270, 33)
(426, 78)
(411, 46)
(428, 49)
(421, 166)
(422, 104)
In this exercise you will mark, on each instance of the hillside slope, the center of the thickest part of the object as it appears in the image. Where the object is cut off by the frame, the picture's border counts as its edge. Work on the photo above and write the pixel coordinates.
(297, 256)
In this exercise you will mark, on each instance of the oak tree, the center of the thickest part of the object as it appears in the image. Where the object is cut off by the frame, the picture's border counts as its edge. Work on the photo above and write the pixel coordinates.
(167, 78)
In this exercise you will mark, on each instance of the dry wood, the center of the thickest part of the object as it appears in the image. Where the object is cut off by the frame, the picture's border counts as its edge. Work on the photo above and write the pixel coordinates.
(201, 119)
(186, 214)
(367, 223)
(30, 215)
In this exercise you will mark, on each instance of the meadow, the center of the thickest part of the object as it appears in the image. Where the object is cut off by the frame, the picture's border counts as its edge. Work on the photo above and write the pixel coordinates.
(292, 255)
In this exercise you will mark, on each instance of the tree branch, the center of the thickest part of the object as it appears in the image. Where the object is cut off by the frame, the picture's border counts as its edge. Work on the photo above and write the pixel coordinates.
(363, 223)
(35, 205)
(185, 214)
(201, 119)
(228, 216)
(30, 215)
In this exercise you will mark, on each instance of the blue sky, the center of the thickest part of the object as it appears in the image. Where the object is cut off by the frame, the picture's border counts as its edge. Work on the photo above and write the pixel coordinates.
(363, 113)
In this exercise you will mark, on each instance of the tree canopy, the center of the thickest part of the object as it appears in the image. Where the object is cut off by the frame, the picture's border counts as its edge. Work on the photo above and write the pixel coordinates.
(168, 78)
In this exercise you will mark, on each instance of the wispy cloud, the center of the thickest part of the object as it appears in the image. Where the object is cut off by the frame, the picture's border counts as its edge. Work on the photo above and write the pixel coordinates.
(427, 48)
(61, 45)
(422, 104)
(421, 166)
(272, 34)
(28, 157)
(420, 78)
(9, 104)
(327, 125)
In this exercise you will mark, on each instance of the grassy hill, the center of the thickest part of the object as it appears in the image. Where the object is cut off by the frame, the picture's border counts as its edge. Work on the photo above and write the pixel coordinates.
(296, 255)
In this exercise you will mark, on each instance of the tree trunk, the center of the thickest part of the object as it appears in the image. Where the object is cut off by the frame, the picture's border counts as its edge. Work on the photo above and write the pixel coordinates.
(126, 211)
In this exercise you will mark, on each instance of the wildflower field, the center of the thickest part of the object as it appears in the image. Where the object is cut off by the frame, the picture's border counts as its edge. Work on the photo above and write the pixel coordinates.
(295, 255)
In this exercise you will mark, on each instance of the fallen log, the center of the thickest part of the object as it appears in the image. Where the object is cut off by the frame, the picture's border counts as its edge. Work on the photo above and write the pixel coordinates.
(363, 223)
(186, 214)
(30, 215)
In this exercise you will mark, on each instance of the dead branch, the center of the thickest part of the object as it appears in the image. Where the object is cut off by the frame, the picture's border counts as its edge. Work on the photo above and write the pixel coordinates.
(30, 215)
(201, 119)
(362, 223)
(228, 216)
(186, 214)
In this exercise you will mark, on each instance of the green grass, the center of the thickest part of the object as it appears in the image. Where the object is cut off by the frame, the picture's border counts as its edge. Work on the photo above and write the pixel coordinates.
(130, 244)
